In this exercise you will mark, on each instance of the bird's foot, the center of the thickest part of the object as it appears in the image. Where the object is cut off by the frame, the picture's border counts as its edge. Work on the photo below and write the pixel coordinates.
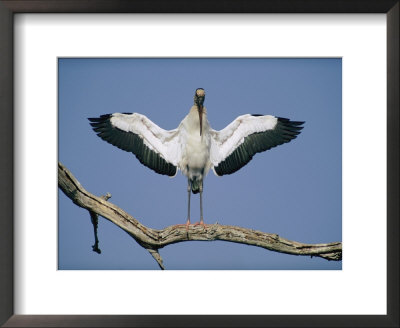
(187, 224)
(202, 224)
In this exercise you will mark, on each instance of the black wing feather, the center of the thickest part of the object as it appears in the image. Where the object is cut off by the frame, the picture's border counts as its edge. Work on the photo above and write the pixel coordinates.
(131, 142)
(284, 131)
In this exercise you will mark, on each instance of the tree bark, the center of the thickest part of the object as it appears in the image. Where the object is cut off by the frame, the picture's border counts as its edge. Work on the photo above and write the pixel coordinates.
(153, 239)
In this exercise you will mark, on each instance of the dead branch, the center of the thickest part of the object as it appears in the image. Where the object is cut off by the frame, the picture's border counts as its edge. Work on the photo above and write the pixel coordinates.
(152, 239)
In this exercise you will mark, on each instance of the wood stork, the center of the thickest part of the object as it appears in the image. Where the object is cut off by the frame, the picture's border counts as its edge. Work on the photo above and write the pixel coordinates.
(194, 147)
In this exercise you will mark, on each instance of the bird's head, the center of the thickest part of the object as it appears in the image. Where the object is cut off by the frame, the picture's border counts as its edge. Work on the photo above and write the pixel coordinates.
(199, 97)
(198, 101)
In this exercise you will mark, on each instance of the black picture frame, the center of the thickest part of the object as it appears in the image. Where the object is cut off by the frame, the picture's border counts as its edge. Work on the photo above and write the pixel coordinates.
(11, 7)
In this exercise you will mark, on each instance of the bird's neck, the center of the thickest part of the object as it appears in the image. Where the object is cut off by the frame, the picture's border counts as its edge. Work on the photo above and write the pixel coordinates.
(195, 110)
(193, 118)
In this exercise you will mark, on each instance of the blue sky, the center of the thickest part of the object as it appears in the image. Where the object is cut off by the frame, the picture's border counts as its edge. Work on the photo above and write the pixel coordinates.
(293, 190)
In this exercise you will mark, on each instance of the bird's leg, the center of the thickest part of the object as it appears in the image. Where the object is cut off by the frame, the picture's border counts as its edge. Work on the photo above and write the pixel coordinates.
(201, 207)
(201, 204)
(189, 189)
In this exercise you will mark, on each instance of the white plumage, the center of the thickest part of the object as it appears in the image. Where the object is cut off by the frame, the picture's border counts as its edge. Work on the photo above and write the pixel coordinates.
(194, 147)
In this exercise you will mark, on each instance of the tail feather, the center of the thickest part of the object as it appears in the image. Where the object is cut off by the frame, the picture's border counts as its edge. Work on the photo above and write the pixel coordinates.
(195, 186)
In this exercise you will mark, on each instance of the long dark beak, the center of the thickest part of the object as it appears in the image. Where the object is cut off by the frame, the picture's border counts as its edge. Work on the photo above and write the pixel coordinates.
(199, 103)
(201, 118)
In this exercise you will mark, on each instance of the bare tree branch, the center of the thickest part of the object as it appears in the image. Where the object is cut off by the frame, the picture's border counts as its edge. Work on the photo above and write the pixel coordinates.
(152, 239)
(95, 221)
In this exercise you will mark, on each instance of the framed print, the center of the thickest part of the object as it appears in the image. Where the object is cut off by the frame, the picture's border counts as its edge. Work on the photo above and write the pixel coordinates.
(61, 62)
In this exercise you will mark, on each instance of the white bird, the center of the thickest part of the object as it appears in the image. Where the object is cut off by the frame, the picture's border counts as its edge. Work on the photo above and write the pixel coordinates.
(194, 147)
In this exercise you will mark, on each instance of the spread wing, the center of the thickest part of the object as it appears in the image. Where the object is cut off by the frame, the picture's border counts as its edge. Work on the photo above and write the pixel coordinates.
(153, 146)
(234, 146)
